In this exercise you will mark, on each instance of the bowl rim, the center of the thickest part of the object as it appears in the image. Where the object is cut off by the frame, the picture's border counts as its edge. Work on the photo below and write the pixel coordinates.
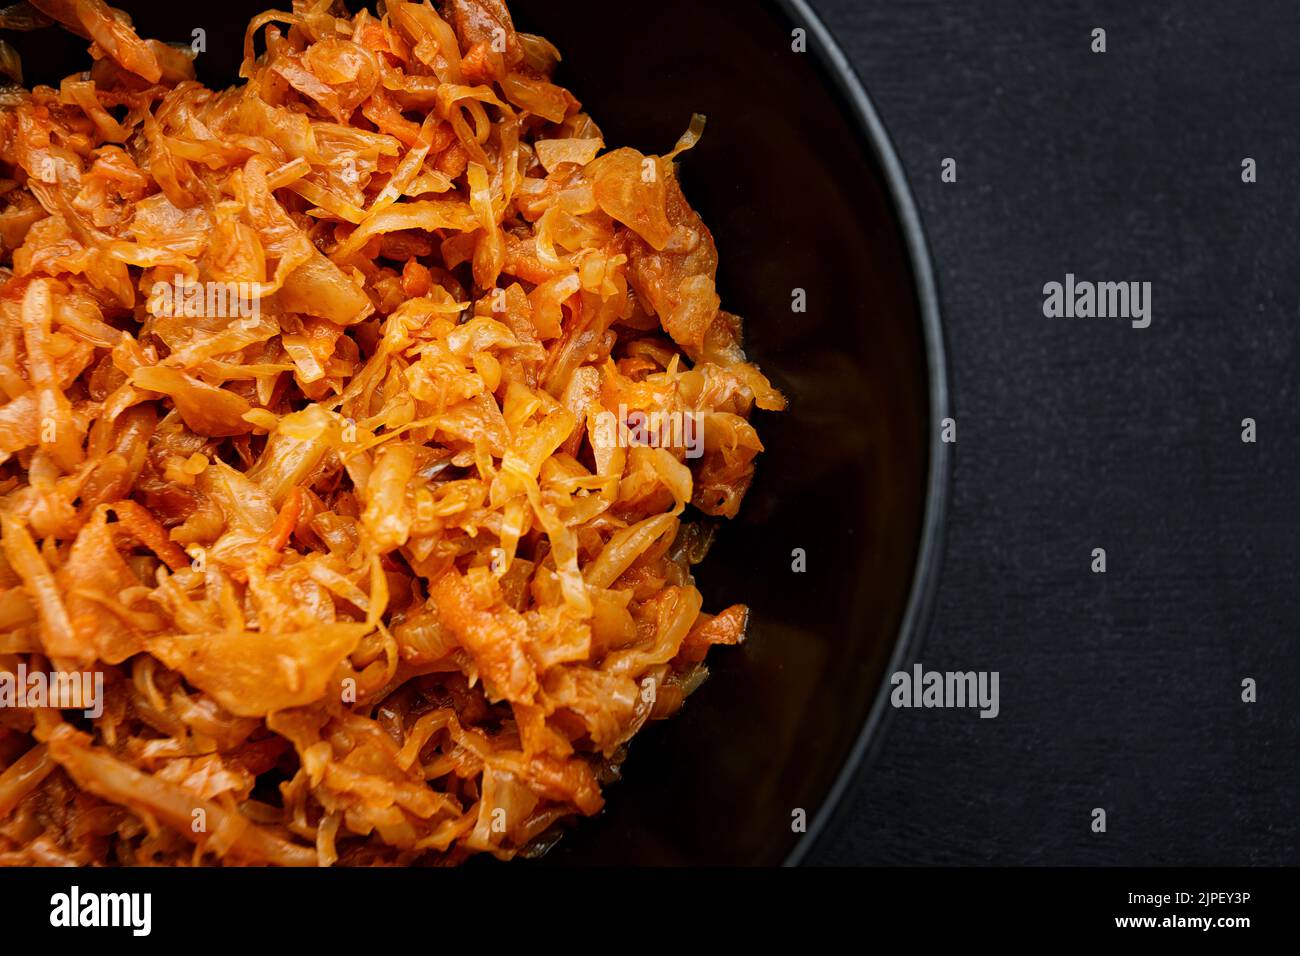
(918, 615)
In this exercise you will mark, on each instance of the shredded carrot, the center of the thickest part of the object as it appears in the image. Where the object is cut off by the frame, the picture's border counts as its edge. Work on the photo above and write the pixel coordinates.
(286, 521)
(144, 527)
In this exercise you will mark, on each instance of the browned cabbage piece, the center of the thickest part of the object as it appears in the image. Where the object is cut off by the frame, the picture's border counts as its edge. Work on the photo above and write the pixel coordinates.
(323, 439)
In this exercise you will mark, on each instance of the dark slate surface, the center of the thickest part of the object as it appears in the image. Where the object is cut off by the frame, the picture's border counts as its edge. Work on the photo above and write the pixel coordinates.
(1119, 690)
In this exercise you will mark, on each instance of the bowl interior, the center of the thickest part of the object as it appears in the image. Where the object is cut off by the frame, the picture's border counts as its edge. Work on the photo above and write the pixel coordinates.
(788, 185)
(787, 182)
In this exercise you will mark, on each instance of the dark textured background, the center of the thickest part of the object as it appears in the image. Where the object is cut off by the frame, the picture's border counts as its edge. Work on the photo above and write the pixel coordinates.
(1119, 690)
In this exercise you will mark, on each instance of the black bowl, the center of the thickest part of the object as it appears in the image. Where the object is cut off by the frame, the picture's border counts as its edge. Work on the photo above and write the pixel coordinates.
(798, 181)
